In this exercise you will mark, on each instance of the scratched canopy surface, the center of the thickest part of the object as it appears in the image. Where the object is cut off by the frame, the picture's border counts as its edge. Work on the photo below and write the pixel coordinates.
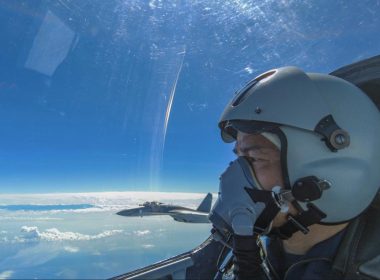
(121, 95)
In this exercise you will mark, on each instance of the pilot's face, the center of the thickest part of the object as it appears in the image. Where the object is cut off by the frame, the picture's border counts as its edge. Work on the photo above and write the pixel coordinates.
(265, 159)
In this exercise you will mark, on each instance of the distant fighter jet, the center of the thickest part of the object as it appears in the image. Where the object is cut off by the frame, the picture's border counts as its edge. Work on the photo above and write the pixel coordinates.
(178, 213)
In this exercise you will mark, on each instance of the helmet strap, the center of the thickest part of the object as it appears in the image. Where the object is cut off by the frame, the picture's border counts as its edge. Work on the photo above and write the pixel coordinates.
(300, 222)
(263, 222)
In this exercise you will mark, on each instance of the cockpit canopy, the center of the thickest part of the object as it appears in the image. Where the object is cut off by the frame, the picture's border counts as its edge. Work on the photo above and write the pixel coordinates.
(151, 203)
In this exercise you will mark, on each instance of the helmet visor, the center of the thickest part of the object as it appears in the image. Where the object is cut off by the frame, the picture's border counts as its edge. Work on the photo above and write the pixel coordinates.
(229, 129)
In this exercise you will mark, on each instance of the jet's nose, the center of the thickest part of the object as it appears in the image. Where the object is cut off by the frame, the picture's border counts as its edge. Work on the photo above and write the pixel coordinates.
(128, 212)
(125, 212)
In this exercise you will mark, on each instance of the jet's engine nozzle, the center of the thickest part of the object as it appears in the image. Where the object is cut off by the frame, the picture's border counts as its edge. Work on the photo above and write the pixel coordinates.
(235, 211)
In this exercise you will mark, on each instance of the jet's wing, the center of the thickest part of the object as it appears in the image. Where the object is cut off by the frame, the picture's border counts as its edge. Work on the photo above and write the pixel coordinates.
(188, 216)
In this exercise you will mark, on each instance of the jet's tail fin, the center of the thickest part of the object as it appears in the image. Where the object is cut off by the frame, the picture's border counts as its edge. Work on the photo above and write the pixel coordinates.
(205, 205)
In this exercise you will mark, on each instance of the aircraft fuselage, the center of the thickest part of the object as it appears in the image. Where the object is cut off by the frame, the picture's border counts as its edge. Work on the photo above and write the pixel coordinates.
(151, 210)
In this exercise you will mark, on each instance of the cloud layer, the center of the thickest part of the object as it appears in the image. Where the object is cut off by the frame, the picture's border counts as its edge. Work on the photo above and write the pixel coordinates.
(141, 232)
(6, 274)
(100, 201)
(32, 234)
(71, 249)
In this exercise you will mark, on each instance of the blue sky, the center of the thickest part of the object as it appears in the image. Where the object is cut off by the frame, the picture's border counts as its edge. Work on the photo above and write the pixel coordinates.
(126, 95)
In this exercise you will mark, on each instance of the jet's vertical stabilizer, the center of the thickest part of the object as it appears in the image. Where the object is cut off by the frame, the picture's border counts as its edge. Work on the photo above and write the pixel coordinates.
(205, 205)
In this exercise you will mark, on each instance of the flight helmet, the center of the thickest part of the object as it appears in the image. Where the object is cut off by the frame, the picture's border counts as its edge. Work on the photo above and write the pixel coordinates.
(329, 132)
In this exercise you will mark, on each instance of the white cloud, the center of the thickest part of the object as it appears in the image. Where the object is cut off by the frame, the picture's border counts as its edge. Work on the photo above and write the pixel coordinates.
(24, 218)
(3, 232)
(152, 4)
(71, 249)
(197, 106)
(248, 69)
(32, 234)
(148, 246)
(141, 232)
(6, 274)
(102, 201)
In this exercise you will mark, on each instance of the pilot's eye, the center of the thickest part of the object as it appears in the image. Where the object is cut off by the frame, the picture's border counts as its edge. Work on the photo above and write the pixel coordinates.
(251, 160)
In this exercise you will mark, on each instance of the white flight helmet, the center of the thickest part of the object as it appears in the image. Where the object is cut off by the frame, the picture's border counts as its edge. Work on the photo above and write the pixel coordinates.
(329, 131)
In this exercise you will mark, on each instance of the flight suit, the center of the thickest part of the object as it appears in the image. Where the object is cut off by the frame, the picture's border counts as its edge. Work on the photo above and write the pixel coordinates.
(353, 253)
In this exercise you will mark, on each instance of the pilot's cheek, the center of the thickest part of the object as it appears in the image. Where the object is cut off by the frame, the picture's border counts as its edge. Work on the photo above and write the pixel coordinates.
(279, 220)
(268, 177)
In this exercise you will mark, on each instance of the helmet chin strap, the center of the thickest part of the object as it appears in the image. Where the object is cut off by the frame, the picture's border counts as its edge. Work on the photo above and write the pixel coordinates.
(276, 201)
(245, 208)
(264, 222)
(299, 222)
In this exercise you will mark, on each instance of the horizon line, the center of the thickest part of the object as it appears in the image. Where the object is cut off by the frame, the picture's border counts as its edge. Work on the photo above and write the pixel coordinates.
(108, 192)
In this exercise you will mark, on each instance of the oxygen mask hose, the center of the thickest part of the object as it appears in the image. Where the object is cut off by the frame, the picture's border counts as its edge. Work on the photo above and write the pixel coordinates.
(247, 258)
(236, 213)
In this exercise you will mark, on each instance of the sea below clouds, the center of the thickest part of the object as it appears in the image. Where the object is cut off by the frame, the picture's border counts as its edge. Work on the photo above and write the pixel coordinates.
(78, 235)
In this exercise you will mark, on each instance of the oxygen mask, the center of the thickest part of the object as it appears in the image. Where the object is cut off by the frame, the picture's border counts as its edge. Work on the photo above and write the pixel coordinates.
(242, 206)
